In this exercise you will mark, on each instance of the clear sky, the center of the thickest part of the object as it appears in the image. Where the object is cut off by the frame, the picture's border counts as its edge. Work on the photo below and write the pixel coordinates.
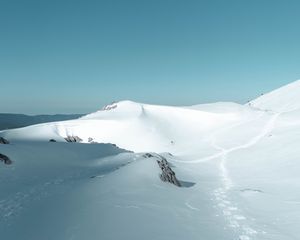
(74, 56)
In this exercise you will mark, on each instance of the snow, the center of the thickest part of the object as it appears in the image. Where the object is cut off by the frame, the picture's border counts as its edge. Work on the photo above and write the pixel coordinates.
(141, 128)
(284, 99)
(238, 165)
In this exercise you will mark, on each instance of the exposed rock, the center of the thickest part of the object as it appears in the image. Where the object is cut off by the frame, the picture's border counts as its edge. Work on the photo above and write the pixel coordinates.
(148, 155)
(3, 141)
(111, 106)
(91, 140)
(5, 159)
(167, 175)
(73, 139)
(52, 140)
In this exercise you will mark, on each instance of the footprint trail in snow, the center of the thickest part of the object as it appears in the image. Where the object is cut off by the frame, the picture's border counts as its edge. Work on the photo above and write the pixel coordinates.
(236, 220)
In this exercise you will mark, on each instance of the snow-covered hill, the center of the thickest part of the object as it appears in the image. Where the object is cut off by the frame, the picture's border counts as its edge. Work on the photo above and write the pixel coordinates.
(237, 164)
(142, 127)
(284, 99)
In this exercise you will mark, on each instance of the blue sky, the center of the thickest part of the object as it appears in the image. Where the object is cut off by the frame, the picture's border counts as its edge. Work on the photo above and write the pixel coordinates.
(75, 56)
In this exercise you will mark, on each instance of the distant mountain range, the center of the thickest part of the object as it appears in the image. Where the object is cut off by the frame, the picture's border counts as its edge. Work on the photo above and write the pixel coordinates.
(10, 120)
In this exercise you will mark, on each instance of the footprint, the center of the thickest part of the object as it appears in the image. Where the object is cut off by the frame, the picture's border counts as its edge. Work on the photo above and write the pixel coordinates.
(249, 230)
(244, 237)
(239, 217)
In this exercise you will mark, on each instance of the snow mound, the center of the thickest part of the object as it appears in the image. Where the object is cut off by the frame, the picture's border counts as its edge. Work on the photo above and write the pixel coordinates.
(284, 99)
(123, 109)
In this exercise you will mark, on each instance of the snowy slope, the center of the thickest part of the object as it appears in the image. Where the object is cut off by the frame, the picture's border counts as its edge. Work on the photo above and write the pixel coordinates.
(238, 165)
(286, 98)
(141, 127)
(92, 191)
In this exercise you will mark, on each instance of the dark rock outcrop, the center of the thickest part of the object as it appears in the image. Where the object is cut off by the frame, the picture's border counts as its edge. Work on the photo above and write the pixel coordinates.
(52, 140)
(167, 175)
(111, 106)
(92, 141)
(148, 155)
(73, 139)
(3, 141)
(5, 159)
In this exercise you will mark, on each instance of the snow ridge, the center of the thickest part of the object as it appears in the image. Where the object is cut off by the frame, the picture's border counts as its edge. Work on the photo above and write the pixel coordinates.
(286, 98)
